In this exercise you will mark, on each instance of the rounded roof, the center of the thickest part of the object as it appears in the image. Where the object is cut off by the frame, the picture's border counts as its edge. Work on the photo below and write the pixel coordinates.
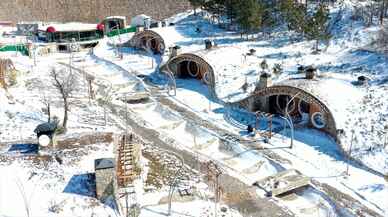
(222, 59)
(339, 96)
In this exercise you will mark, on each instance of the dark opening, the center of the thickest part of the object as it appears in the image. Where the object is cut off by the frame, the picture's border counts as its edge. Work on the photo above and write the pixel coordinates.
(144, 42)
(62, 48)
(189, 69)
(304, 107)
(154, 44)
(112, 25)
(282, 102)
(278, 103)
(272, 105)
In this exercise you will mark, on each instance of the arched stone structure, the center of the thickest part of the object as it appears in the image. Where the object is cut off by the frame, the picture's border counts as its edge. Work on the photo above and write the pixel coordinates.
(148, 40)
(267, 100)
(190, 65)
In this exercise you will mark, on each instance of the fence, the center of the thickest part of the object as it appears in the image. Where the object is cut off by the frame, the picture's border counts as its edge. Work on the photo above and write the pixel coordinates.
(121, 31)
(17, 47)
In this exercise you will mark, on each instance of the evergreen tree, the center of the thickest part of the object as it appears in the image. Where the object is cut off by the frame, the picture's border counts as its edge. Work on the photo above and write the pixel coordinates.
(316, 27)
(196, 4)
(249, 15)
(231, 9)
(294, 14)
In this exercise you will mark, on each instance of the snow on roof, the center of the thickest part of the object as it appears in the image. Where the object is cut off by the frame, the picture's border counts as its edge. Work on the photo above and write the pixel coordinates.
(222, 59)
(228, 66)
(116, 17)
(168, 34)
(338, 95)
(104, 163)
(45, 128)
(68, 27)
(142, 16)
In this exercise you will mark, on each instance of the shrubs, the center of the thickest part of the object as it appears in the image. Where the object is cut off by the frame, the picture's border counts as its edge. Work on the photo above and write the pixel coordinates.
(12, 77)
(277, 69)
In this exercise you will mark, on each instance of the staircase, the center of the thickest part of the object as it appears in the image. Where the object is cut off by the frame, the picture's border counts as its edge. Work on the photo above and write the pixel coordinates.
(126, 163)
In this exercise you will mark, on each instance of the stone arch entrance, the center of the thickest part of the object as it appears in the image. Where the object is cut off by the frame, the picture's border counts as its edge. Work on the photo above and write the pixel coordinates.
(191, 66)
(274, 99)
(148, 40)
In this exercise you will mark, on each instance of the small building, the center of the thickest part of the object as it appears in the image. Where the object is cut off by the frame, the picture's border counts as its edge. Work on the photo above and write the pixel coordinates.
(105, 173)
(47, 129)
(141, 20)
(26, 28)
(113, 23)
(63, 34)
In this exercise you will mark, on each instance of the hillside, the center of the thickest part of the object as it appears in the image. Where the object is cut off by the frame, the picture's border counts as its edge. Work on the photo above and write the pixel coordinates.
(86, 10)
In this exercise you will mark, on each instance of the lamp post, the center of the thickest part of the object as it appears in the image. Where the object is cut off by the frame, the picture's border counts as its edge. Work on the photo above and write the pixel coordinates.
(290, 120)
(117, 27)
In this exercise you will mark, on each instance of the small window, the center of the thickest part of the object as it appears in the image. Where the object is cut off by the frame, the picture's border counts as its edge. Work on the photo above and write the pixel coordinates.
(318, 120)
(62, 48)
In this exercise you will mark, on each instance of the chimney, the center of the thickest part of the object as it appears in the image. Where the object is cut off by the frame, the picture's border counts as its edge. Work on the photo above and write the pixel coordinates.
(310, 72)
(265, 81)
(139, 29)
(363, 80)
(175, 51)
(208, 44)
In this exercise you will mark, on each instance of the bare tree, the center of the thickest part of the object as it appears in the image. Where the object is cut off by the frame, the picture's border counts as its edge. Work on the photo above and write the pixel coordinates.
(5, 66)
(47, 104)
(382, 40)
(65, 82)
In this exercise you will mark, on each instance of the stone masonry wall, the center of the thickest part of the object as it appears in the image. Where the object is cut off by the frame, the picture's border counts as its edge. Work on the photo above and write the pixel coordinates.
(86, 10)
(104, 183)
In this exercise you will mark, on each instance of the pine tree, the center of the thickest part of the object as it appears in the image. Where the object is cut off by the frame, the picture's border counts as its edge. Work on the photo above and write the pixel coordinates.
(249, 15)
(316, 27)
(196, 4)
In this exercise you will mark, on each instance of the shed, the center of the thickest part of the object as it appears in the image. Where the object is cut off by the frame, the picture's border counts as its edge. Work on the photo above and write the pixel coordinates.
(114, 22)
(141, 20)
(47, 129)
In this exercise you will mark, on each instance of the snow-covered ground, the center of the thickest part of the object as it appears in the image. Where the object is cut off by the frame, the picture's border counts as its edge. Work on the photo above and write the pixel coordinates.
(40, 186)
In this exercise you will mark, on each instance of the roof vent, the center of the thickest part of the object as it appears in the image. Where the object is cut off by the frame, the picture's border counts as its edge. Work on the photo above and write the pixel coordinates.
(208, 44)
(251, 52)
(175, 51)
(310, 72)
(363, 80)
(264, 82)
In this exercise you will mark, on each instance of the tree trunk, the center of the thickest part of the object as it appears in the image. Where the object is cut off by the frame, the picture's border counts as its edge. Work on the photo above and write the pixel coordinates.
(66, 107)
(48, 112)
(382, 12)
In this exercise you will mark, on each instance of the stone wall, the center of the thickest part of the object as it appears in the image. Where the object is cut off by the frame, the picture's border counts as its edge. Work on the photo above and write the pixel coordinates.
(104, 183)
(86, 10)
